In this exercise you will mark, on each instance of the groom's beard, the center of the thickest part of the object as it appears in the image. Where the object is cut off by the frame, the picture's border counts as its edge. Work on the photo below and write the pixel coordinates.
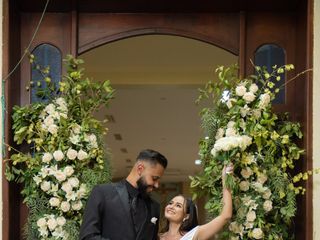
(143, 186)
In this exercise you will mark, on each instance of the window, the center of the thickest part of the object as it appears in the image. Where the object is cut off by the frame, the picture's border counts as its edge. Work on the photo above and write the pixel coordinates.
(269, 55)
(45, 55)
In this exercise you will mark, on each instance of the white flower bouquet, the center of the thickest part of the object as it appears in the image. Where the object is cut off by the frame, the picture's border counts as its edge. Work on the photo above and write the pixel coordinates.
(242, 128)
(66, 157)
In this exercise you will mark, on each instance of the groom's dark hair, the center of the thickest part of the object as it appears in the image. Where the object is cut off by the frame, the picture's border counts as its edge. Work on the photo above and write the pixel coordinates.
(152, 157)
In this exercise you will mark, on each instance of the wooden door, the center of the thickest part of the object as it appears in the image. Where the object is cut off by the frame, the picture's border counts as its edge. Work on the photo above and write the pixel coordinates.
(239, 27)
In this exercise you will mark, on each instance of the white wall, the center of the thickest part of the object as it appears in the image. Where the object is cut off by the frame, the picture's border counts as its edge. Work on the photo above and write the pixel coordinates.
(316, 122)
(1, 121)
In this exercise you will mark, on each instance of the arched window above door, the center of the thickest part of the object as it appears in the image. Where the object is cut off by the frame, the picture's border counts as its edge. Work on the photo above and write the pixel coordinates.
(269, 55)
(46, 55)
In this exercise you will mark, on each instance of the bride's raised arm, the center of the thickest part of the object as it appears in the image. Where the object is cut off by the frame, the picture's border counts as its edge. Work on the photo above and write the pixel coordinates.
(208, 230)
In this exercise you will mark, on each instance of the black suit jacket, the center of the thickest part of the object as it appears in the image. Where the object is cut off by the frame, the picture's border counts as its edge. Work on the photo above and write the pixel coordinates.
(107, 215)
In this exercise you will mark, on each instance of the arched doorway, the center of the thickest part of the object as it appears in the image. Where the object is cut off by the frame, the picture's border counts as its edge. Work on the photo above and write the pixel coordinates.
(156, 78)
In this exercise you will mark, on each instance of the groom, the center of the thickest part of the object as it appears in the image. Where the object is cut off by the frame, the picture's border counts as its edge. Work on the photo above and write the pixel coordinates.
(124, 210)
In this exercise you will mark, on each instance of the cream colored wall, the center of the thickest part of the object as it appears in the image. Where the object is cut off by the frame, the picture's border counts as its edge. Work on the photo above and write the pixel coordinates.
(1, 122)
(316, 120)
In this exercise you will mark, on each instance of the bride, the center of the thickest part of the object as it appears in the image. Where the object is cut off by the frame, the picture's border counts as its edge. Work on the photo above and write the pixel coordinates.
(182, 222)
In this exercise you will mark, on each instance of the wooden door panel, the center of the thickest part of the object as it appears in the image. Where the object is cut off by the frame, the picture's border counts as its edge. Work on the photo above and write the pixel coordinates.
(219, 29)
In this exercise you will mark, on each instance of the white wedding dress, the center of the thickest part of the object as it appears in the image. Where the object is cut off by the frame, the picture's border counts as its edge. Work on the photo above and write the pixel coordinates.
(189, 235)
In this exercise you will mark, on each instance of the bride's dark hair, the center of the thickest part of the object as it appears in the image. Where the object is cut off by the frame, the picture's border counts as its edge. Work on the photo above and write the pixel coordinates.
(190, 222)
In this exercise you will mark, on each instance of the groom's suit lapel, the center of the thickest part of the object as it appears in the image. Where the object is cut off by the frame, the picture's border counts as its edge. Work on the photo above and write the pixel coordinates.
(124, 198)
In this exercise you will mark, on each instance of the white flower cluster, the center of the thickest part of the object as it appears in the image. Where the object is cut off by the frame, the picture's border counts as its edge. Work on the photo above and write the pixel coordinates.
(249, 95)
(52, 225)
(51, 115)
(231, 142)
(250, 217)
(52, 179)
(247, 207)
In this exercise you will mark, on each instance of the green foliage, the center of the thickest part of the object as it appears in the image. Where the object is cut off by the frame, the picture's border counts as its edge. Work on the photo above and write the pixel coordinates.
(65, 156)
(242, 128)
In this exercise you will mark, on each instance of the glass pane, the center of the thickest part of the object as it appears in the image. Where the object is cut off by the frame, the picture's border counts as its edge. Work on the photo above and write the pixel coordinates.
(46, 55)
(269, 55)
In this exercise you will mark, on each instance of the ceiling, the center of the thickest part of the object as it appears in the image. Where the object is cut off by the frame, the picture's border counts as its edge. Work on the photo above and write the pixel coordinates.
(156, 78)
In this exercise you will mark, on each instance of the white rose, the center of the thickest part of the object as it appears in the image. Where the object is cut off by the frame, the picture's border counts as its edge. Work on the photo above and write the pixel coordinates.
(231, 132)
(256, 113)
(248, 159)
(76, 128)
(231, 124)
(72, 154)
(219, 134)
(74, 182)
(230, 102)
(77, 206)
(246, 172)
(262, 178)
(244, 111)
(55, 115)
(59, 233)
(253, 88)
(244, 142)
(54, 188)
(58, 155)
(50, 108)
(92, 139)
(235, 227)
(41, 222)
(75, 139)
(259, 187)
(65, 206)
(37, 179)
(53, 129)
(247, 201)
(61, 101)
(44, 171)
(249, 97)
(264, 100)
(244, 186)
(71, 195)
(251, 216)
(67, 187)
(60, 176)
(43, 232)
(257, 233)
(48, 121)
(267, 205)
(82, 191)
(213, 152)
(241, 90)
(248, 225)
(47, 157)
(82, 155)
(52, 223)
(54, 202)
(267, 194)
(45, 186)
(68, 171)
(65, 116)
(61, 221)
